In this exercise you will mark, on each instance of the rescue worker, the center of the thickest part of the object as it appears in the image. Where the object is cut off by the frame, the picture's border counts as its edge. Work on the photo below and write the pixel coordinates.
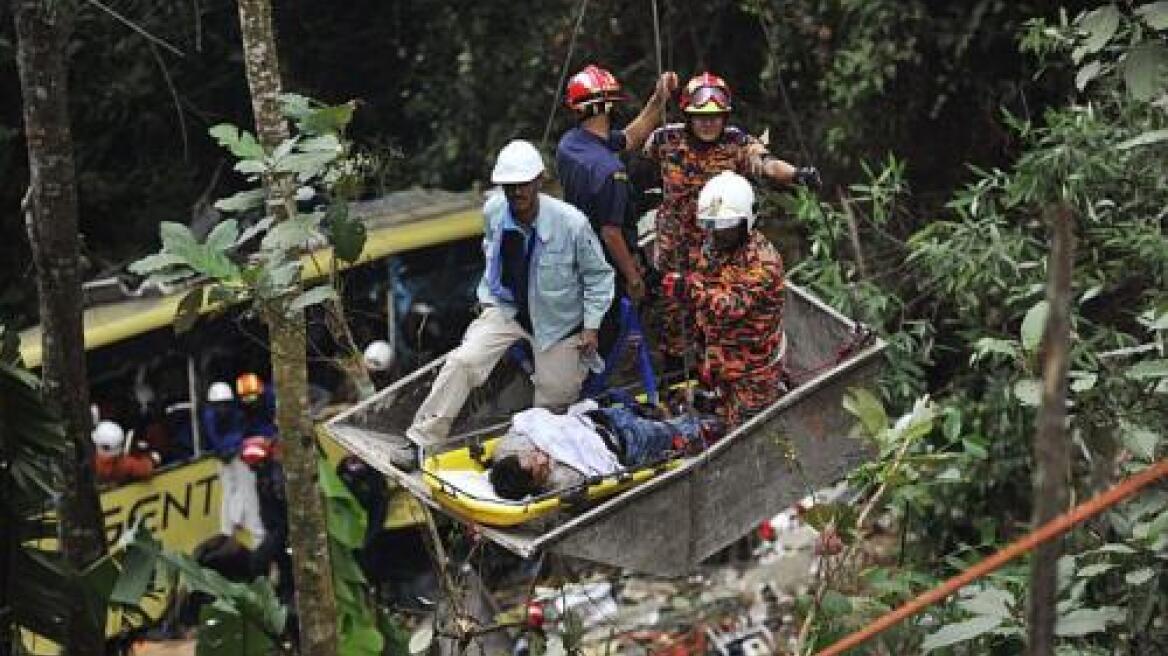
(595, 180)
(260, 454)
(113, 462)
(378, 359)
(690, 154)
(735, 292)
(258, 404)
(224, 423)
(545, 281)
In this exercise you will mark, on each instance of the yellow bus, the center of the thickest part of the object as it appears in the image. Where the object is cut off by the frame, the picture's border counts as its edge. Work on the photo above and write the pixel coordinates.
(180, 503)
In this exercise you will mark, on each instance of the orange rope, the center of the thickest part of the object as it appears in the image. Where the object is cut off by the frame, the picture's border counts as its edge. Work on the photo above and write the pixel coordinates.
(1047, 531)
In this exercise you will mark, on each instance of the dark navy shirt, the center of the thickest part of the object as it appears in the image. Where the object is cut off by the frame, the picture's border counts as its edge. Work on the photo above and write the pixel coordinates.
(515, 253)
(594, 177)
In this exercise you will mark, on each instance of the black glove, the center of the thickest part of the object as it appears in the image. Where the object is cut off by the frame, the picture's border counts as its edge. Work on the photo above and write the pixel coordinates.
(808, 176)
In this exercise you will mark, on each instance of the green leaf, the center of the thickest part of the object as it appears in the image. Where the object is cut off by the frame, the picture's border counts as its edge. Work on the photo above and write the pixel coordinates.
(223, 236)
(1148, 369)
(154, 263)
(1086, 74)
(1082, 381)
(1028, 391)
(1155, 14)
(305, 165)
(1033, 325)
(254, 229)
(1091, 571)
(1144, 69)
(251, 167)
(313, 296)
(1150, 137)
(278, 278)
(1084, 621)
(1139, 576)
(867, 408)
(327, 120)
(176, 238)
(188, 310)
(326, 143)
(292, 234)
(295, 106)
(1139, 440)
(951, 634)
(1100, 25)
(242, 201)
(991, 602)
(992, 345)
(241, 143)
(348, 236)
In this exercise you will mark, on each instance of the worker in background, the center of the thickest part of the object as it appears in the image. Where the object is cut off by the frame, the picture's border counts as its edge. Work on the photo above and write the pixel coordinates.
(595, 180)
(378, 358)
(258, 404)
(735, 292)
(690, 154)
(261, 455)
(545, 281)
(223, 423)
(113, 462)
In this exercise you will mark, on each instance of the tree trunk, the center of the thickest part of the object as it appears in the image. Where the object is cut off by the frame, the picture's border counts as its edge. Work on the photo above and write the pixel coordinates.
(307, 536)
(42, 32)
(1051, 446)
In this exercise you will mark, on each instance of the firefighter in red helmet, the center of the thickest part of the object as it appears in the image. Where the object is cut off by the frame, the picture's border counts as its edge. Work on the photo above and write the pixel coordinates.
(690, 154)
(594, 178)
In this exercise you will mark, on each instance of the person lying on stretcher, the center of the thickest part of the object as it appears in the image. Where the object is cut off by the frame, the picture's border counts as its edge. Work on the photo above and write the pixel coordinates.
(544, 451)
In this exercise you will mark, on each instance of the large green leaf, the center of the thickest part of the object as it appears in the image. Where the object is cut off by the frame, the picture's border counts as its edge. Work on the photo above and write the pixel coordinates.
(294, 233)
(867, 408)
(1084, 621)
(1033, 324)
(188, 310)
(1155, 14)
(223, 236)
(1148, 369)
(346, 517)
(242, 201)
(241, 143)
(1100, 25)
(1149, 137)
(1144, 70)
(951, 634)
(314, 296)
(347, 234)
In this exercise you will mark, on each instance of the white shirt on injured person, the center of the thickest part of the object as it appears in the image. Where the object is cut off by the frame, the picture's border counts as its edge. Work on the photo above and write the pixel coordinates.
(577, 451)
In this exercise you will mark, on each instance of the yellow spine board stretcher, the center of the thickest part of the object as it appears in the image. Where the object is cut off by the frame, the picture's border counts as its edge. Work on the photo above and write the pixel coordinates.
(501, 512)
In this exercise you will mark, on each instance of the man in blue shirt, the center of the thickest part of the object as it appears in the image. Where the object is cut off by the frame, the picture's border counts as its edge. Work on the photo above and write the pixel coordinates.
(594, 178)
(545, 281)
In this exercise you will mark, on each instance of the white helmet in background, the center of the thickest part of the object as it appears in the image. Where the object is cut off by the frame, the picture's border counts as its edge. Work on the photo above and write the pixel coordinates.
(724, 201)
(108, 437)
(219, 392)
(518, 162)
(378, 356)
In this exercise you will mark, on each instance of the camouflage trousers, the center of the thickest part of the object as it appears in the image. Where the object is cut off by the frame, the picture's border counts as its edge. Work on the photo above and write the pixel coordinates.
(745, 396)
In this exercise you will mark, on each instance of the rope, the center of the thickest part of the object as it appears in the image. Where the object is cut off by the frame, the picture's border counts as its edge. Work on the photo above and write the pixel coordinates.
(547, 129)
(1048, 531)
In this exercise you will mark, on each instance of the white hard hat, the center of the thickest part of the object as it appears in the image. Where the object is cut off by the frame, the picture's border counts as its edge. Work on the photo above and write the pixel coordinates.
(378, 356)
(517, 163)
(219, 391)
(108, 437)
(724, 201)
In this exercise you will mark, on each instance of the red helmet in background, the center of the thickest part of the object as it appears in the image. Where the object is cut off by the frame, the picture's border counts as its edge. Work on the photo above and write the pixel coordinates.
(255, 450)
(591, 90)
(706, 94)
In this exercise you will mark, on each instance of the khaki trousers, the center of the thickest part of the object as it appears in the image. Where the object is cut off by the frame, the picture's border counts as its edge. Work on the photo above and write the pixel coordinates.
(557, 379)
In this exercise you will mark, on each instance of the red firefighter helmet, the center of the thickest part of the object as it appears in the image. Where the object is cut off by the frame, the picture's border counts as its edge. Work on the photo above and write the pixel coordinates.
(591, 89)
(706, 94)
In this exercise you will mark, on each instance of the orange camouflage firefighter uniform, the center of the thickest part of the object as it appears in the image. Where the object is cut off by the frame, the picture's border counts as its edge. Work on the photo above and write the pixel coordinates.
(686, 165)
(737, 301)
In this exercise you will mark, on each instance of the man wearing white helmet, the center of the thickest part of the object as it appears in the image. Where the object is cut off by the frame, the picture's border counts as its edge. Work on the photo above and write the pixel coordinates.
(222, 421)
(378, 359)
(113, 462)
(545, 280)
(736, 294)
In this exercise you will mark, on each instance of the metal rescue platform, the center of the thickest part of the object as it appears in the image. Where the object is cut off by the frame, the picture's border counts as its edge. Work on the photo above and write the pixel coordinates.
(671, 522)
